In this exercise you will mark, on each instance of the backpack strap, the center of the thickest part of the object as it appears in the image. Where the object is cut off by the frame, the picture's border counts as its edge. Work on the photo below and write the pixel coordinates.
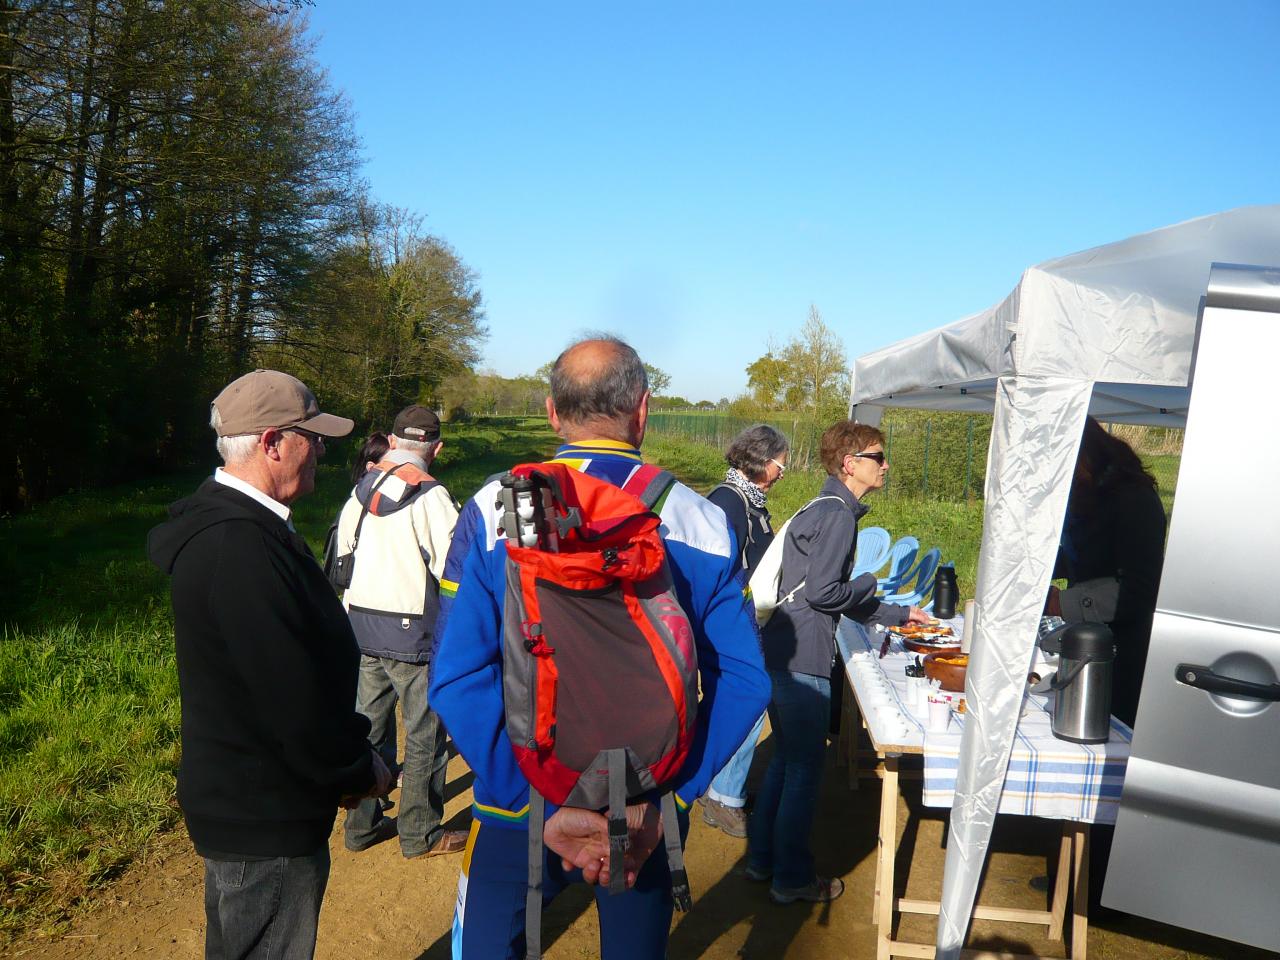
(675, 854)
(368, 504)
(791, 595)
(533, 895)
(651, 484)
(746, 505)
(618, 839)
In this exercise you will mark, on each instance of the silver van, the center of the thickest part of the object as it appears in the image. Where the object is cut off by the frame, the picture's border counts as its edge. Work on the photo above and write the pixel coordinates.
(1197, 842)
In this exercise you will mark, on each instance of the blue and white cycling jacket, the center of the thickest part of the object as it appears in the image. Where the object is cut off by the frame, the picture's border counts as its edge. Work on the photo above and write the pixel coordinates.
(466, 668)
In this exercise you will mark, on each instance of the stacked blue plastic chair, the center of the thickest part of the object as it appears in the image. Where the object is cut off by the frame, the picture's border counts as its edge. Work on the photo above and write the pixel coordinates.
(872, 552)
(902, 555)
(920, 580)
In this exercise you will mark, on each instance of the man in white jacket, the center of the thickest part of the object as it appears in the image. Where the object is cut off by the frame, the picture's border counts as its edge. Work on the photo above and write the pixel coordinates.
(398, 524)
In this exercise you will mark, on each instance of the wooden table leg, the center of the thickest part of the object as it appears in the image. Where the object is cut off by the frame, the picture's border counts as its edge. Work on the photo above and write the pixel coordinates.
(887, 849)
(1058, 905)
(850, 729)
(1080, 893)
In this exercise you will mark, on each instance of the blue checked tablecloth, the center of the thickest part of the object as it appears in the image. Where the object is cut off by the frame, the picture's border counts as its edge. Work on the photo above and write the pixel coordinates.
(1047, 777)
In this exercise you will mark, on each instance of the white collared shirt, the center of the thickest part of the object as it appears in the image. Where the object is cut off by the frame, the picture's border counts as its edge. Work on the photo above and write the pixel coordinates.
(249, 490)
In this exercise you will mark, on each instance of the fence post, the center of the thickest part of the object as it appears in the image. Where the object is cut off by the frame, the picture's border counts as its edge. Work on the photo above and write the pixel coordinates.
(968, 459)
(928, 433)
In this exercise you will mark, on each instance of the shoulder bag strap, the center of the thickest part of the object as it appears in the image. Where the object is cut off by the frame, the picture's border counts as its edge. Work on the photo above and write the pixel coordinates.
(791, 594)
(746, 506)
(364, 507)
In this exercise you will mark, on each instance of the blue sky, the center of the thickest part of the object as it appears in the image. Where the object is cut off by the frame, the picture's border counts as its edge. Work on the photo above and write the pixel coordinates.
(693, 176)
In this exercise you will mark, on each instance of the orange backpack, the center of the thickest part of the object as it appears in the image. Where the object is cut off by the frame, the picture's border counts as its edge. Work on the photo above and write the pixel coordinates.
(600, 673)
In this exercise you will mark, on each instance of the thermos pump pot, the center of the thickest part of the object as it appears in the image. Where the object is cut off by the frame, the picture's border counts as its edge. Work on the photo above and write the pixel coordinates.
(1082, 686)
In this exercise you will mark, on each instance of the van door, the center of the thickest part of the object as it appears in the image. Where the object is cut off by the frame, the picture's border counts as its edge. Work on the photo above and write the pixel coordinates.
(1197, 842)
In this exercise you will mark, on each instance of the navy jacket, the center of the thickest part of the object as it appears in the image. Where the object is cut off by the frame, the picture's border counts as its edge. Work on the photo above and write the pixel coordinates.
(800, 636)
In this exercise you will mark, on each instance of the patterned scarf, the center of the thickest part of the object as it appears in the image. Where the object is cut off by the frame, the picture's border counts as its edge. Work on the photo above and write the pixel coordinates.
(737, 479)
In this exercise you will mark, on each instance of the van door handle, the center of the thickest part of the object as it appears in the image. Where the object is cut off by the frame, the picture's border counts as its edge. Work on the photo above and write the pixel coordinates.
(1205, 679)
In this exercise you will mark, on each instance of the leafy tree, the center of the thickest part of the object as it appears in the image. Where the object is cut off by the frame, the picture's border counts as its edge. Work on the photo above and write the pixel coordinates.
(392, 315)
(659, 380)
(809, 373)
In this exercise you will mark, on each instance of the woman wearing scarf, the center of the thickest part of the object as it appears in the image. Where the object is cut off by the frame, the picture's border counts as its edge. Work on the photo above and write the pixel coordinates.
(757, 460)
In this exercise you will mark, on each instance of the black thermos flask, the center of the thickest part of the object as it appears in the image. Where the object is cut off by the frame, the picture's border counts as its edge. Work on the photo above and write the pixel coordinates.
(945, 593)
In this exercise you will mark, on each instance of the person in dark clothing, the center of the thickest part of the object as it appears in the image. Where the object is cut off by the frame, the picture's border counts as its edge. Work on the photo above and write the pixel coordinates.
(271, 743)
(1111, 555)
(757, 460)
(799, 652)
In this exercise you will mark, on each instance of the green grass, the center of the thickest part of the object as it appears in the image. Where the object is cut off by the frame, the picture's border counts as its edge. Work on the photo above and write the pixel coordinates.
(89, 709)
(954, 527)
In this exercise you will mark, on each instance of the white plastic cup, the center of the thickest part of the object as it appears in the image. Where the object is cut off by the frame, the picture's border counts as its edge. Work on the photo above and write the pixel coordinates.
(939, 715)
(918, 694)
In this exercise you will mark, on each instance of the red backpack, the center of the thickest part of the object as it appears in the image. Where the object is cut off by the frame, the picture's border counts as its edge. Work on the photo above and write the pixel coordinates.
(600, 673)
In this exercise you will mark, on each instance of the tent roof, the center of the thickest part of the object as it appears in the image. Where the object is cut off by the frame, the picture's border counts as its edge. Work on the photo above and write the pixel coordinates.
(1123, 315)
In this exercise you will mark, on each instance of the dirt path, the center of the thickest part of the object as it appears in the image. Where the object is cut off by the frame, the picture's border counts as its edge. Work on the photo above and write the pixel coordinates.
(379, 904)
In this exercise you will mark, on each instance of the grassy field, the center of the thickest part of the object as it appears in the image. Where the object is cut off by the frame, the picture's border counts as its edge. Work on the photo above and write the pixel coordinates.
(88, 693)
(954, 527)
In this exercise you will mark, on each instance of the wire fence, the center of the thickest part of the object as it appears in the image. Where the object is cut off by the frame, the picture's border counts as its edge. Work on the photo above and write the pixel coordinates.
(932, 455)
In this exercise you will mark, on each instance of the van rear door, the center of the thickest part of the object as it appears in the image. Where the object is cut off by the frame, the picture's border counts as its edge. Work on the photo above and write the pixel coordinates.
(1197, 842)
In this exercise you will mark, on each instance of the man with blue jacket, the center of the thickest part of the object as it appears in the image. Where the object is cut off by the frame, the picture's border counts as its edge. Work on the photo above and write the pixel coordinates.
(599, 404)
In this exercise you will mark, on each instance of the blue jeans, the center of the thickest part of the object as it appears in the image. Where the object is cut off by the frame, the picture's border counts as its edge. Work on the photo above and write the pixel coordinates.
(488, 921)
(382, 682)
(778, 835)
(730, 785)
(264, 909)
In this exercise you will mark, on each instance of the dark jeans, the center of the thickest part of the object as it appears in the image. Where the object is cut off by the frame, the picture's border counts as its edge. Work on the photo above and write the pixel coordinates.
(778, 834)
(264, 909)
(382, 682)
(489, 920)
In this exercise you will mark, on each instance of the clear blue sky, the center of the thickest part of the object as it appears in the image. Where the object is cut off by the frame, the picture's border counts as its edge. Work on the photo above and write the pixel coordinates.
(692, 176)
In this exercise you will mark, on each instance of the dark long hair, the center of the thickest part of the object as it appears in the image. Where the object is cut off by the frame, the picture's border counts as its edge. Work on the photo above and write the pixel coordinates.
(1104, 462)
(374, 449)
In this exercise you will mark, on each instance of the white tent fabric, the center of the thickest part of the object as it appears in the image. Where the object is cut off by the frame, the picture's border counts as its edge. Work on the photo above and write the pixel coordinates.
(1109, 331)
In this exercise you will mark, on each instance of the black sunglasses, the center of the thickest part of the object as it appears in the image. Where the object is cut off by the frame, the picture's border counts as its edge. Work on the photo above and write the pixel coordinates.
(877, 456)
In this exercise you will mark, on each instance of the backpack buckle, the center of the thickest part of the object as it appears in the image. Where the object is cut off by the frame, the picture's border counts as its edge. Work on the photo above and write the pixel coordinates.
(680, 891)
(534, 641)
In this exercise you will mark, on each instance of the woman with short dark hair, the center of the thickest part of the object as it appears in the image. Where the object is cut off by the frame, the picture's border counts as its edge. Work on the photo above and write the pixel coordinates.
(757, 460)
(800, 652)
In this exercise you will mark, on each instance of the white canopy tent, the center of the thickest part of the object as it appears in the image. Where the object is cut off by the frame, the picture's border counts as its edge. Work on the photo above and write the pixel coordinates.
(1110, 331)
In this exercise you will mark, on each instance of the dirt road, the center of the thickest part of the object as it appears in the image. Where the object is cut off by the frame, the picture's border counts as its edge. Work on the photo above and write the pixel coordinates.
(380, 905)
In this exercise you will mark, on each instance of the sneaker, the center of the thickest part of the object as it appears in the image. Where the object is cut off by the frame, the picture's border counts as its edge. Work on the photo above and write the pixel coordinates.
(449, 841)
(730, 820)
(758, 874)
(821, 890)
(384, 829)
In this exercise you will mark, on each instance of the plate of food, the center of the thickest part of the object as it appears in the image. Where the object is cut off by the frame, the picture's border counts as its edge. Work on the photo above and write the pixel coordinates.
(926, 638)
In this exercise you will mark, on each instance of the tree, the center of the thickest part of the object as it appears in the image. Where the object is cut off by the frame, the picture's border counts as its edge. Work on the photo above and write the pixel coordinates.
(393, 314)
(659, 380)
(809, 373)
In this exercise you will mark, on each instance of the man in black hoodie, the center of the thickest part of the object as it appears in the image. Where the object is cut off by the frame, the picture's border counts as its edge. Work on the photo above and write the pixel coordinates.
(267, 665)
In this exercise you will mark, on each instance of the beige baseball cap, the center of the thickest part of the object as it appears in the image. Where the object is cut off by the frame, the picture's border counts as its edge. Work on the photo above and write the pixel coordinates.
(268, 398)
